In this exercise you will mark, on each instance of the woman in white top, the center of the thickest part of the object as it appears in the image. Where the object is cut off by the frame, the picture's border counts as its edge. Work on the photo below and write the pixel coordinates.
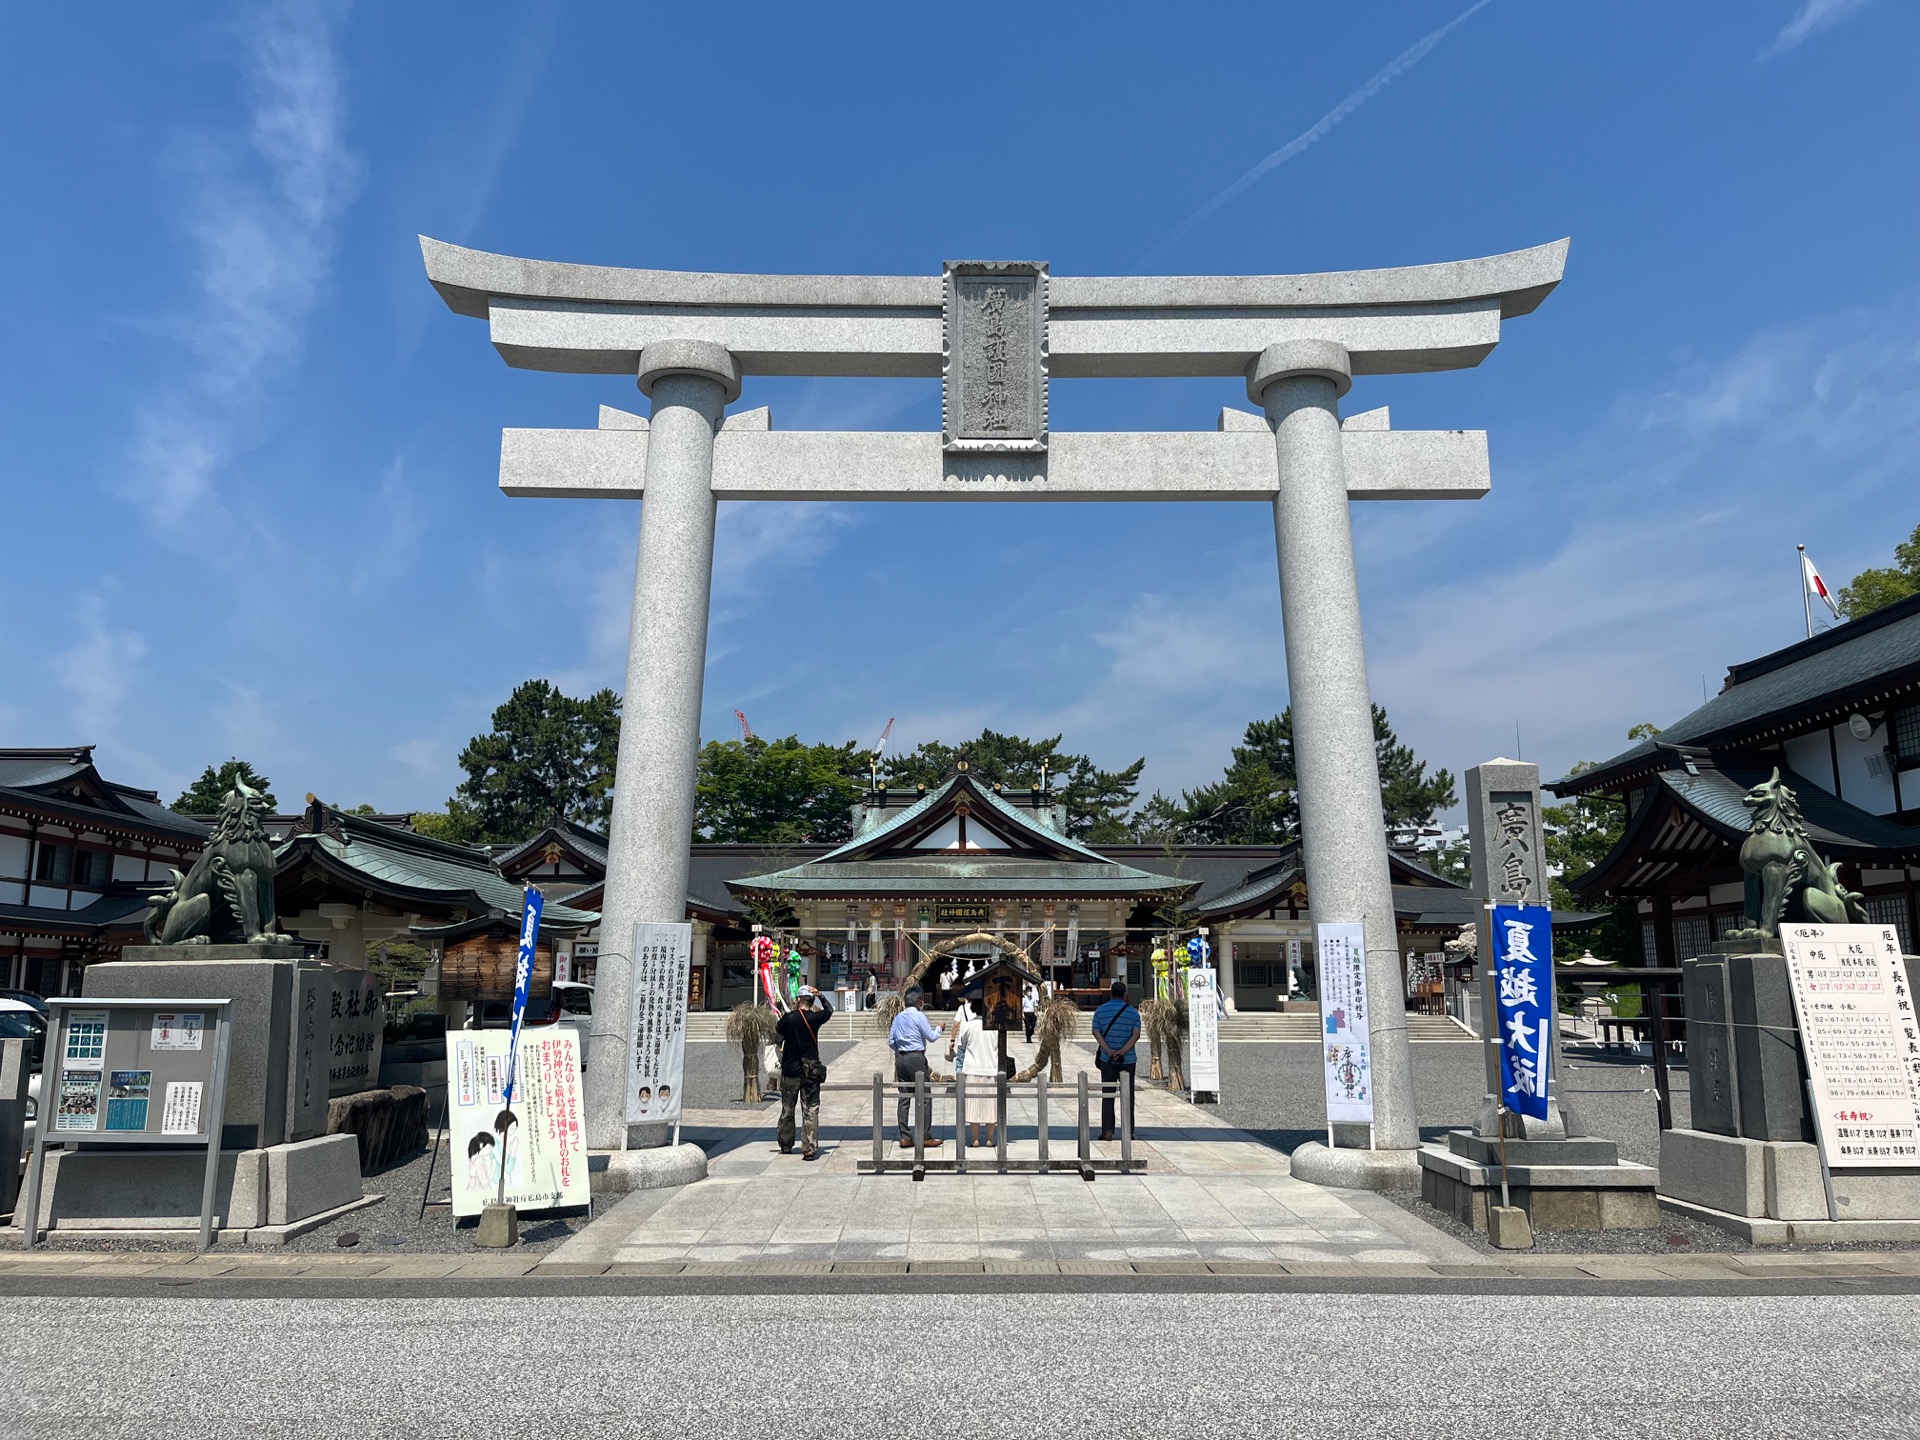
(977, 1066)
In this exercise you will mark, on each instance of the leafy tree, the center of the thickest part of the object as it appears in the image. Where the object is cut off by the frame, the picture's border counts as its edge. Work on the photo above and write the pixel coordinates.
(547, 755)
(1257, 801)
(209, 792)
(1096, 800)
(458, 823)
(1870, 590)
(776, 791)
(1580, 833)
(1643, 731)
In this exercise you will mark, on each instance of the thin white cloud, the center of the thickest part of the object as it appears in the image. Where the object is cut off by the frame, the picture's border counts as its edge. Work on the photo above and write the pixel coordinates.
(392, 531)
(260, 218)
(1320, 128)
(1812, 17)
(98, 671)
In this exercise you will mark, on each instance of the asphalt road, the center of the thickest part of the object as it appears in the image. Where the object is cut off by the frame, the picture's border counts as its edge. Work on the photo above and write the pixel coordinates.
(1050, 1365)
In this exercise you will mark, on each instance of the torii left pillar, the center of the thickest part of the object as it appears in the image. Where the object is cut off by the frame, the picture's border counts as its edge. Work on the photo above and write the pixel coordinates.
(691, 383)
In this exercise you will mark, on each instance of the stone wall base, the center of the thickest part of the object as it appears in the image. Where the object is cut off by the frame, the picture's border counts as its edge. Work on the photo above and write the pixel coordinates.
(1555, 1197)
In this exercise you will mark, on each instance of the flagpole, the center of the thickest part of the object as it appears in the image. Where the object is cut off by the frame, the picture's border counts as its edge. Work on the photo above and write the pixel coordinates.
(1806, 600)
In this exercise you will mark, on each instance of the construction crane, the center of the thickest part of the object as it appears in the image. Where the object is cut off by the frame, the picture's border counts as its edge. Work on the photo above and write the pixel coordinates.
(746, 730)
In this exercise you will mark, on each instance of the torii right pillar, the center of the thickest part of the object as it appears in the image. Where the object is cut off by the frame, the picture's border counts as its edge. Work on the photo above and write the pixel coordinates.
(1300, 384)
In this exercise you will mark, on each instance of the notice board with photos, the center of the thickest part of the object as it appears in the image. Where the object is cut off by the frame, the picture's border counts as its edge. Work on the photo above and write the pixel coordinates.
(1861, 1039)
(132, 1072)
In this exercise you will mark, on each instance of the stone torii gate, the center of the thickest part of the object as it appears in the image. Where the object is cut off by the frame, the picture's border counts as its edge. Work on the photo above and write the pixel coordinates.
(994, 332)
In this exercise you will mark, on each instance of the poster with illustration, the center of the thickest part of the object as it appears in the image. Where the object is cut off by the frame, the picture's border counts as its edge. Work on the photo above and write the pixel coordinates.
(541, 1140)
(128, 1092)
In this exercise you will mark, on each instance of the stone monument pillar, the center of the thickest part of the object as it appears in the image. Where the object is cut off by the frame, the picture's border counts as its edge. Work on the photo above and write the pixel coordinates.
(690, 383)
(1508, 842)
(1344, 840)
(1562, 1177)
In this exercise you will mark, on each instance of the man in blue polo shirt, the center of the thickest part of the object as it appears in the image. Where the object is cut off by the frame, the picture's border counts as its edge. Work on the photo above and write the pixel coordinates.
(1116, 1026)
(908, 1038)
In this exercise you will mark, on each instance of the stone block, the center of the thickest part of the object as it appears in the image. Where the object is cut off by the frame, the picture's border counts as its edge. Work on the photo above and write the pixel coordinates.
(1795, 1190)
(1723, 1172)
(620, 1172)
(1767, 1064)
(259, 982)
(1354, 1169)
(310, 1176)
(15, 1073)
(310, 1033)
(1710, 1046)
(1508, 1228)
(389, 1125)
(1877, 1194)
(151, 1190)
(499, 1227)
(1555, 1197)
(1588, 1150)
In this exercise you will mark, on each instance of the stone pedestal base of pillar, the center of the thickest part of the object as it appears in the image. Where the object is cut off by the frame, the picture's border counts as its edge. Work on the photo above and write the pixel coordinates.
(617, 1172)
(1743, 1179)
(1356, 1169)
(1561, 1184)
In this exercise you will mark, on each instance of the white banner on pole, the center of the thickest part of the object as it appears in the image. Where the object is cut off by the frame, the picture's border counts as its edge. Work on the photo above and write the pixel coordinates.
(1203, 1030)
(1861, 1040)
(1346, 1045)
(662, 958)
(545, 1146)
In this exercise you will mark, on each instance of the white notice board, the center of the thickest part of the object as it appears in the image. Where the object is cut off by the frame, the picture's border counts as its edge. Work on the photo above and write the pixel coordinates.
(1203, 1030)
(1861, 1040)
(662, 956)
(1345, 1039)
(544, 1148)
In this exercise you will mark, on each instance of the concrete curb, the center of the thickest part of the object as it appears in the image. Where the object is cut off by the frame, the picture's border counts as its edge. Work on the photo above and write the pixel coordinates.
(321, 1268)
(620, 1172)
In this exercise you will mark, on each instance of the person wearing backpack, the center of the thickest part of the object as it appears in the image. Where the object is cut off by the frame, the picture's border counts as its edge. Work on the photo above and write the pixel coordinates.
(1116, 1026)
(802, 1071)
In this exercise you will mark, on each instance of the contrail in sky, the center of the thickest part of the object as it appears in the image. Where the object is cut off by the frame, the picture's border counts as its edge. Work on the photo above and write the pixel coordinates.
(1394, 68)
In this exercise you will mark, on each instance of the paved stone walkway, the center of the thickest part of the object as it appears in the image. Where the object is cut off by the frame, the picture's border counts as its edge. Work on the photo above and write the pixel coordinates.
(1209, 1193)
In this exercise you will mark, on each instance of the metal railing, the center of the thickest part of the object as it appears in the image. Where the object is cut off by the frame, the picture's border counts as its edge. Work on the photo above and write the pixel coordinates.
(921, 1093)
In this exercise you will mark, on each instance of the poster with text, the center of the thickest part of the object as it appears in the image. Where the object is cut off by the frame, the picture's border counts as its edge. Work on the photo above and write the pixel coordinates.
(662, 956)
(544, 1144)
(1203, 1029)
(1861, 1040)
(1346, 1045)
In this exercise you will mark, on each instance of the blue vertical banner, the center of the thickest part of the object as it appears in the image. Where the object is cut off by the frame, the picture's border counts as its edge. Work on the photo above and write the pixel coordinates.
(1523, 984)
(522, 981)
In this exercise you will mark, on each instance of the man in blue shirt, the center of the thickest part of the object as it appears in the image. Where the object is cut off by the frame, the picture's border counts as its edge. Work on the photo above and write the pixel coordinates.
(909, 1037)
(1116, 1026)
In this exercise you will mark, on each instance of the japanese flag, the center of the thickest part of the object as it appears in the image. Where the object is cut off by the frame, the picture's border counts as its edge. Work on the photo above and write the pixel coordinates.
(1815, 585)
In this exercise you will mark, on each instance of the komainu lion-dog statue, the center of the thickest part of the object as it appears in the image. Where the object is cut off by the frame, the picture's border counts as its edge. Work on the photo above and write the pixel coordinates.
(227, 897)
(1786, 878)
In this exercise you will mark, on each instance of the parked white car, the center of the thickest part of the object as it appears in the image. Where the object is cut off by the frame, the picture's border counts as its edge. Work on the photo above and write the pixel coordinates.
(571, 1005)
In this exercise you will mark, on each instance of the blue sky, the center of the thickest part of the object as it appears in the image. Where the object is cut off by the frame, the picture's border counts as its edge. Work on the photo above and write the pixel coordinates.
(248, 458)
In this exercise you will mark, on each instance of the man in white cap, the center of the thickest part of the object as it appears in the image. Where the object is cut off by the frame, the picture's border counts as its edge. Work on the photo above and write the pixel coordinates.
(802, 1072)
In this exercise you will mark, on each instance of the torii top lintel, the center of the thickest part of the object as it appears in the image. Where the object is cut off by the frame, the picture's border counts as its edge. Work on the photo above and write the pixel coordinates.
(595, 319)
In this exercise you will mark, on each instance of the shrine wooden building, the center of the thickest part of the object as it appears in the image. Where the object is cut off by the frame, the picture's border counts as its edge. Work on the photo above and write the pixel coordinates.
(79, 854)
(1838, 716)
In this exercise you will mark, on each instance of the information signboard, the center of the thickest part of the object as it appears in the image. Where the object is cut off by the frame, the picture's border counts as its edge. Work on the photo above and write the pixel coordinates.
(662, 956)
(1203, 1031)
(544, 1147)
(1859, 1034)
(1346, 1045)
(133, 1072)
